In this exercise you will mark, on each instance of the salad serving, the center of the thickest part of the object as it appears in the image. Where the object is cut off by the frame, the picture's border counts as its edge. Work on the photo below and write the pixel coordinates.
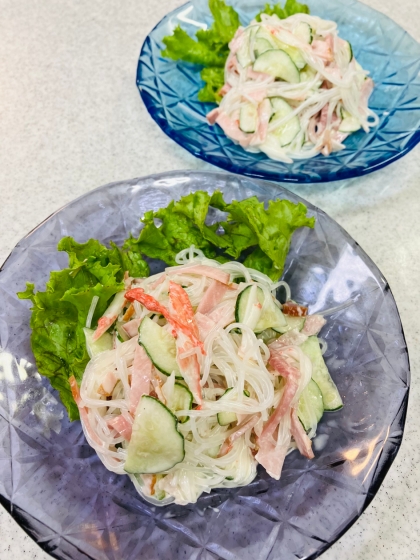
(286, 84)
(187, 379)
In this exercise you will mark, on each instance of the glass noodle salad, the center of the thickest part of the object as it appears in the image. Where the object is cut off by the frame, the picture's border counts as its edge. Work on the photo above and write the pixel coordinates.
(205, 375)
(187, 379)
(293, 88)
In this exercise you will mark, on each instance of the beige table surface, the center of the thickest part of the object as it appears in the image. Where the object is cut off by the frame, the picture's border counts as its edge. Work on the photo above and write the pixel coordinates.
(71, 119)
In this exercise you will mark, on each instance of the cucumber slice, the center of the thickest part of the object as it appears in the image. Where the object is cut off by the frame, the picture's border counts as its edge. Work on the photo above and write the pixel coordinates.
(292, 323)
(349, 51)
(345, 51)
(294, 53)
(96, 347)
(155, 445)
(320, 374)
(307, 74)
(349, 124)
(277, 63)
(248, 118)
(248, 310)
(159, 345)
(311, 406)
(280, 107)
(181, 399)
(304, 32)
(261, 45)
(226, 418)
(243, 53)
(286, 133)
(122, 335)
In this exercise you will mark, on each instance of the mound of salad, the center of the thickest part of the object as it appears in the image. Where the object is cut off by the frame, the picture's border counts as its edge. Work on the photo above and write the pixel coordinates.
(286, 84)
(187, 379)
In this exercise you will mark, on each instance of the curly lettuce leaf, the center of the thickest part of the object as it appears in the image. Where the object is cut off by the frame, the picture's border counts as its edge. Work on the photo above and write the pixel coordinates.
(180, 46)
(291, 7)
(210, 48)
(177, 231)
(271, 230)
(226, 22)
(214, 79)
(59, 313)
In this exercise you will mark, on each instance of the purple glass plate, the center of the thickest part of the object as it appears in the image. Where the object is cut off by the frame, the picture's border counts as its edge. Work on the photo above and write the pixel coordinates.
(60, 493)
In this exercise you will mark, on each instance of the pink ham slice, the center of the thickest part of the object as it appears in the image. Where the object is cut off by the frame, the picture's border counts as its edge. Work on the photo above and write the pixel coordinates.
(141, 376)
(213, 115)
(212, 297)
(189, 366)
(223, 91)
(121, 425)
(240, 431)
(202, 270)
(323, 49)
(204, 324)
(264, 115)
(237, 40)
(132, 327)
(303, 443)
(291, 338)
(219, 317)
(231, 129)
(313, 325)
(292, 376)
(271, 457)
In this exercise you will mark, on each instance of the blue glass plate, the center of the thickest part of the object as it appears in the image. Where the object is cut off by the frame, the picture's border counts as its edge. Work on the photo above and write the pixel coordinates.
(58, 490)
(169, 91)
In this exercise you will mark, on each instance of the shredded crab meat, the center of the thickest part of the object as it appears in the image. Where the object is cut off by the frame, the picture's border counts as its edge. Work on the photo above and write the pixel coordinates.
(223, 363)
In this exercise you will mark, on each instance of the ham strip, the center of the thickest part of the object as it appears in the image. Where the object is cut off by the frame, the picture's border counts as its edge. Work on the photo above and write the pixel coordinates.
(271, 457)
(303, 443)
(205, 324)
(132, 327)
(240, 431)
(189, 367)
(291, 338)
(292, 375)
(212, 297)
(313, 325)
(202, 270)
(121, 425)
(141, 376)
(213, 115)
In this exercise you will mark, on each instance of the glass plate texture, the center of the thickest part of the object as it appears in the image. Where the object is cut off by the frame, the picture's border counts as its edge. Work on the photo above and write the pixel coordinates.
(57, 489)
(169, 91)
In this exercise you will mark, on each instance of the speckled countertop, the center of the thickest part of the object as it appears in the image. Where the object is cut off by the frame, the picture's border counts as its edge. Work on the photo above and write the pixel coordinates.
(71, 119)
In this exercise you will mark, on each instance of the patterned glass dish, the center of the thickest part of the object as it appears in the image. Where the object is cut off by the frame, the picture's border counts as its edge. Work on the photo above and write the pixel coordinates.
(57, 489)
(169, 91)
